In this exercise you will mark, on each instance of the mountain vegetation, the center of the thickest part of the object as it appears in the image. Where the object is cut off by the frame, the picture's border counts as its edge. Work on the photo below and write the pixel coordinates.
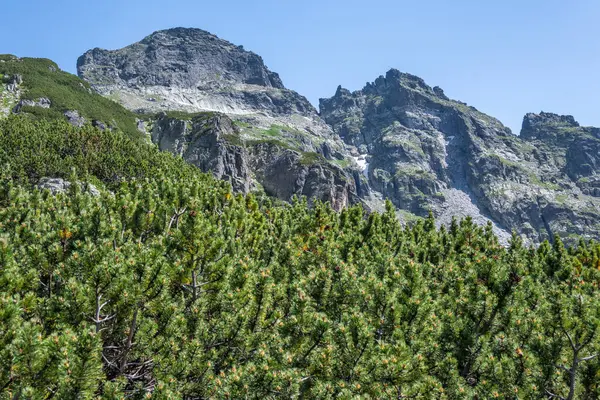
(43, 79)
(168, 285)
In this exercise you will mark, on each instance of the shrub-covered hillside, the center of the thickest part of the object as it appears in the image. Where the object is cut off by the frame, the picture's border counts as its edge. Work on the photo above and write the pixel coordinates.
(167, 285)
(43, 78)
(30, 150)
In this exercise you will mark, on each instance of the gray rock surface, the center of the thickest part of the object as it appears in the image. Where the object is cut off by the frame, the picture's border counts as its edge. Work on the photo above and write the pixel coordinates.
(179, 57)
(192, 70)
(214, 143)
(259, 132)
(202, 141)
(59, 185)
(74, 118)
(99, 124)
(397, 138)
(54, 185)
(9, 93)
(14, 82)
(427, 152)
(42, 102)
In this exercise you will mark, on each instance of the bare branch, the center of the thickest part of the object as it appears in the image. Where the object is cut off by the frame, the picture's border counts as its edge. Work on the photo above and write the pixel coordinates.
(588, 357)
(552, 395)
(573, 345)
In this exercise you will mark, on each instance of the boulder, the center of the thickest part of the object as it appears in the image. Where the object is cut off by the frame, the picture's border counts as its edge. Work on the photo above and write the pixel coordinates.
(14, 83)
(42, 102)
(54, 185)
(59, 185)
(74, 118)
(99, 124)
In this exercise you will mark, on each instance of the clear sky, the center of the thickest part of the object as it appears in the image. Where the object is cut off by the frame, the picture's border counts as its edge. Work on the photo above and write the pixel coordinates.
(505, 57)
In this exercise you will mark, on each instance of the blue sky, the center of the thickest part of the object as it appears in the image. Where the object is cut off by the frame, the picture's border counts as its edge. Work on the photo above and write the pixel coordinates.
(506, 57)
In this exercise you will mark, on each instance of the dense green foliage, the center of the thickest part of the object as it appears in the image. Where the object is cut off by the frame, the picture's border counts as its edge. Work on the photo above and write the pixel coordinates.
(53, 148)
(170, 286)
(43, 78)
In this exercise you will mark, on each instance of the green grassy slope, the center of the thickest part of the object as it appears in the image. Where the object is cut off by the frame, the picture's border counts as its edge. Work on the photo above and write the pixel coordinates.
(43, 78)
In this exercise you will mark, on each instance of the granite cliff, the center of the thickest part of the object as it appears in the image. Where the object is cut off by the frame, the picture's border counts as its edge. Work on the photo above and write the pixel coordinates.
(427, 152)
(191, 70)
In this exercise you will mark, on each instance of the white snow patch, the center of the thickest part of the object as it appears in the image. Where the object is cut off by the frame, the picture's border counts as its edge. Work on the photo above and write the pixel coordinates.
(362, 164)
(361, 161)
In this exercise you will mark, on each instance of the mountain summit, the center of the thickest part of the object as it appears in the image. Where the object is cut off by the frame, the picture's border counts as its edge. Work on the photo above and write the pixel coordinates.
(428, 152)
(191, 70)
(187, 58)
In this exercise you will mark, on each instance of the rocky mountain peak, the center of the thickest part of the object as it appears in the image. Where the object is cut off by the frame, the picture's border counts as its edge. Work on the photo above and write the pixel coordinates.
(555, 129)
(394, 79)
(340, 91)
(534, 124)
(410, 80)
(550, 118)
(397, 137)
(192, 70)
(220, 108)
(427, 152)
(180, 57)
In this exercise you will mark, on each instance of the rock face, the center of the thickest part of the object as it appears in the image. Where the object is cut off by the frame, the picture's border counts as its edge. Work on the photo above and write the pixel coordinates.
(178, 57)
(214, 143)
(9, 93)
(426, 152)
(42, 102)
(74, 118)
(54, 185)
(202, 141)
(14, 83)
(59, 185)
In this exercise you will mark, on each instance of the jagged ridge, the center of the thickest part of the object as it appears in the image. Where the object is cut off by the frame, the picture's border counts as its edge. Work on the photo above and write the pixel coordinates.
(427, 152)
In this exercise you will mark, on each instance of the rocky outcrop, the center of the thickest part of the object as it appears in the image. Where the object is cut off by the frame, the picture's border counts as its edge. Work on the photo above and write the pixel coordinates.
(285, 173)
(204, 142)
(14, 82)
(224, 111)
(99, 124)
(54, 185)
(42, 102)
(214, 143)
(427, 152)
(9, 93)
(179, 57)
(74, 118)
(548, 127)
(567, 146)
(59, 185)
(583, 164)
